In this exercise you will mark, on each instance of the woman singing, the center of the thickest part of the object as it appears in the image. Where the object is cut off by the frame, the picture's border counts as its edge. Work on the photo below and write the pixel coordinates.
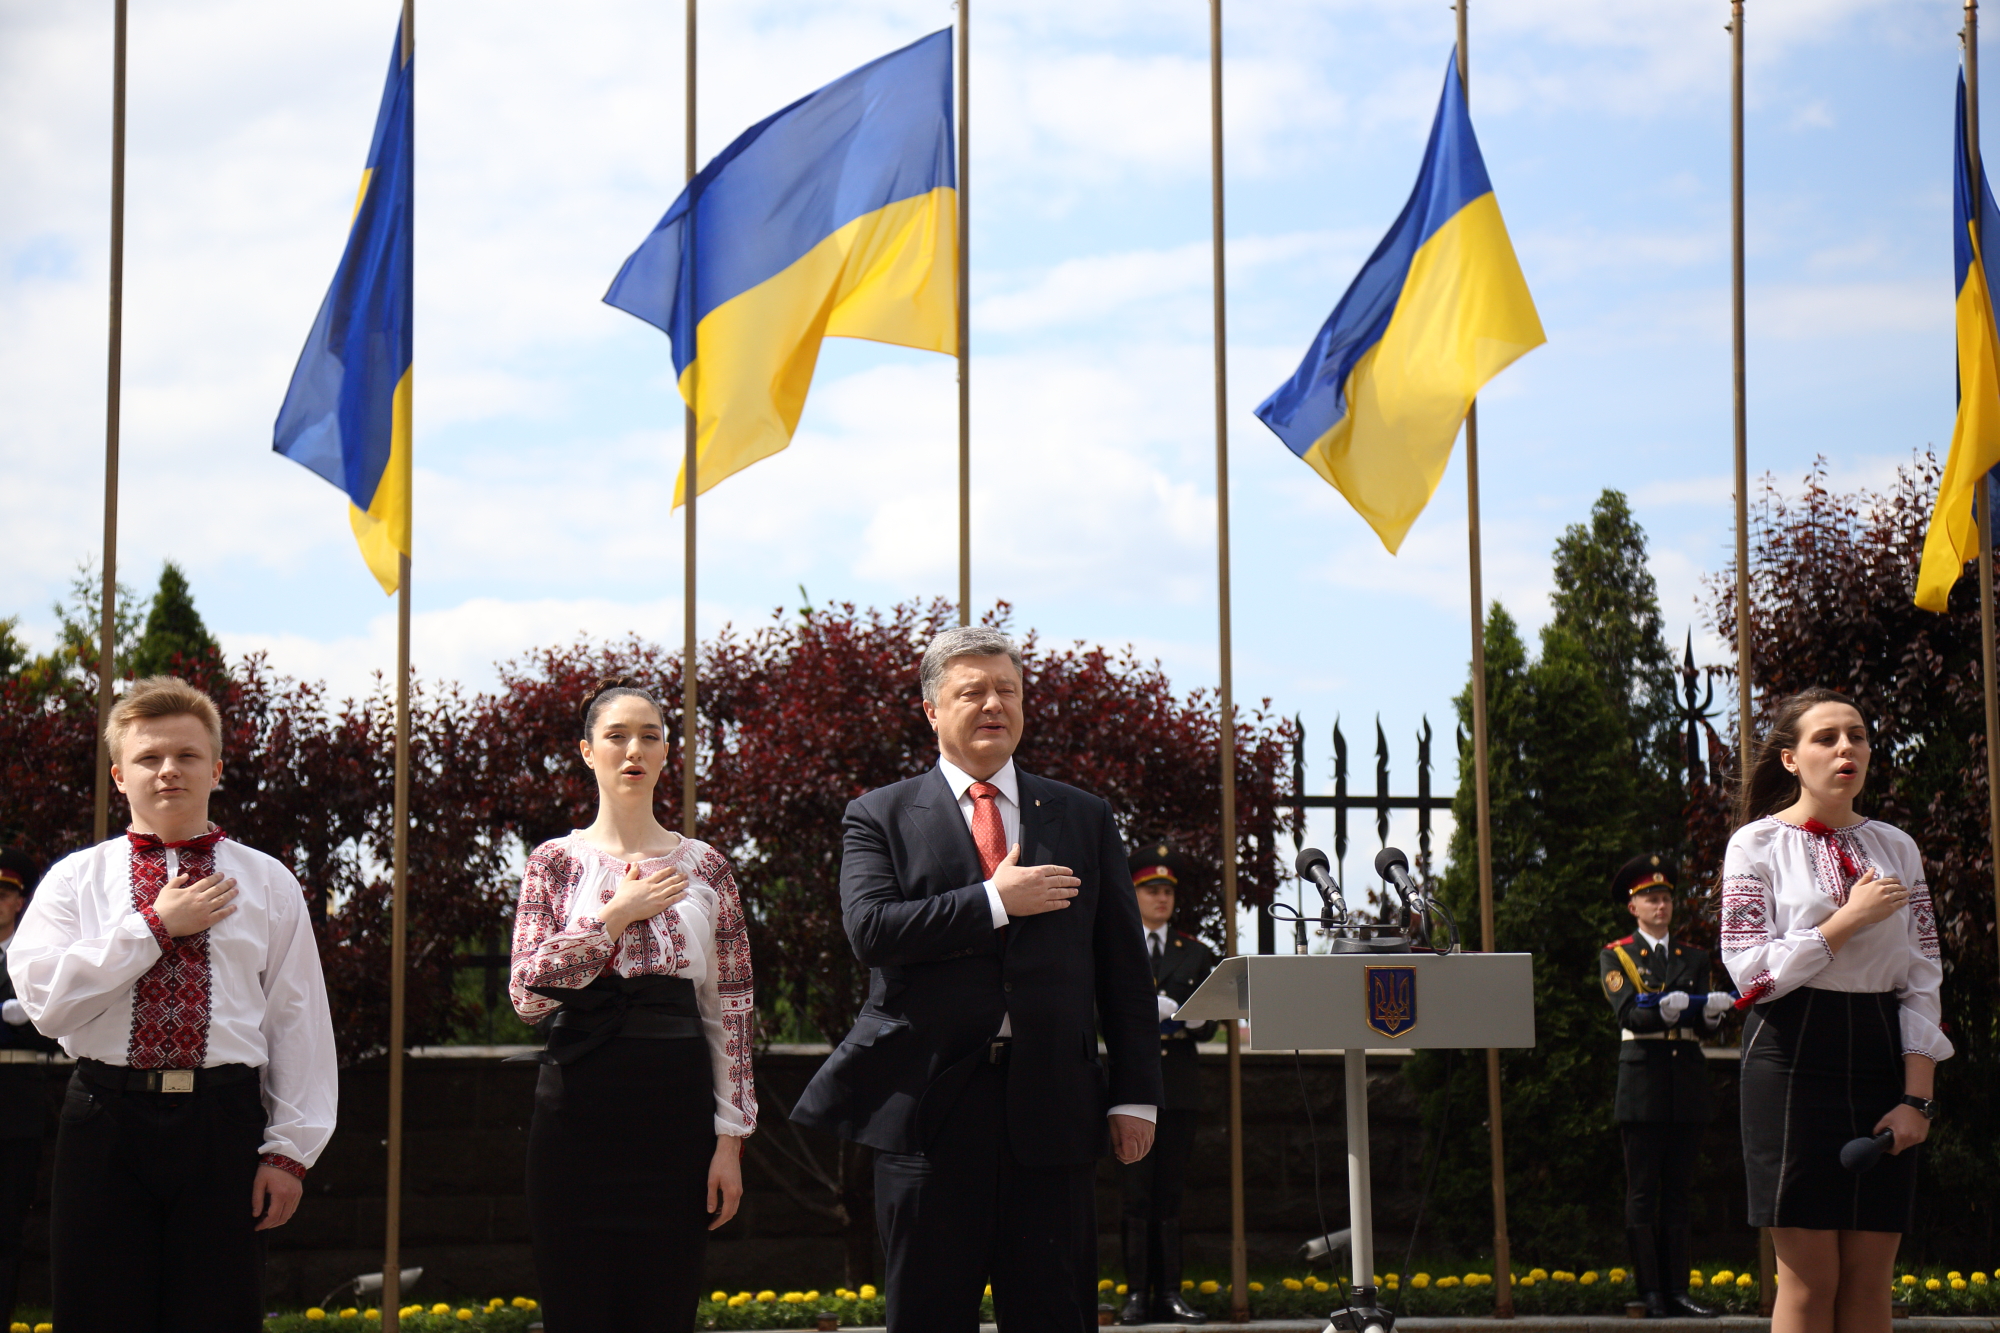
(1827, 926)
(629, 942)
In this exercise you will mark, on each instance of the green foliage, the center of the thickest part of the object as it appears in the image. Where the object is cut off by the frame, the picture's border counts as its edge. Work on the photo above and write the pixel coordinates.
(1605, 598)
(79, 628)
(13, 653)
(175, 640)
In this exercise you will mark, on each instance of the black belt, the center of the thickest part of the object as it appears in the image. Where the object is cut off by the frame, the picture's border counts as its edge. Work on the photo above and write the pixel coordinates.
(122, 1078)
(657, 1008)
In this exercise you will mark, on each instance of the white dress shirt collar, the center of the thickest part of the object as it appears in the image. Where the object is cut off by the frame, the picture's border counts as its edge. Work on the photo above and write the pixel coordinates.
(1006, 780)
(1656, 941)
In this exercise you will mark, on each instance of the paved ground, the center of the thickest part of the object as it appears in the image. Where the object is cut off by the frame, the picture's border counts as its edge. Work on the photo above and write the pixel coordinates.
(1551, 1323)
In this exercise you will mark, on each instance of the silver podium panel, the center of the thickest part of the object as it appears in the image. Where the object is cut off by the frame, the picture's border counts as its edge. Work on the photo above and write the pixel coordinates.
(1325, 1002)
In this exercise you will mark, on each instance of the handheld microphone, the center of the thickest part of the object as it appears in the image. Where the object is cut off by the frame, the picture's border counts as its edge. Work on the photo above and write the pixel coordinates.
(1392, 865)
(1312, 865)
(1860, 1154)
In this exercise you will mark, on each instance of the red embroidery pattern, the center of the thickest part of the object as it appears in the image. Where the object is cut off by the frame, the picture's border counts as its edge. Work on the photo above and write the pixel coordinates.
(1838, 858)
(1746, 907)
(170, 1003)
(1760, 985)
(1925, 912)
(546, 952)
(734, 982)
(284, 1163)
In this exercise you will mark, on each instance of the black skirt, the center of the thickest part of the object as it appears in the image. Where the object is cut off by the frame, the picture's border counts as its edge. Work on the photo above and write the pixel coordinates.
(618, 1157)
(1820, 1068)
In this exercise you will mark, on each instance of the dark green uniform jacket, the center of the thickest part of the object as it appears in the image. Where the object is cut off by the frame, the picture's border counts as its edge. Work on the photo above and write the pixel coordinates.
(1185, 963)
(23, 1087)
(1660, 1078)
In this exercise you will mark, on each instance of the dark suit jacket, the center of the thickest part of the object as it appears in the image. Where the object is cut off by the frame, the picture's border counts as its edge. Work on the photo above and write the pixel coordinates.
(1184, 964)
(941, 977)
(1659, 1081)
(24, 1088)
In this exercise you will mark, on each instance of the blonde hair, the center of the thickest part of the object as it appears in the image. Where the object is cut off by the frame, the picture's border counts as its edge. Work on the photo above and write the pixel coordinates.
(161, 696)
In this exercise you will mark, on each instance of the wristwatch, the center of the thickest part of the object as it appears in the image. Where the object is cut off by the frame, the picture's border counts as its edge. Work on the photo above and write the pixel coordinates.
(1928, 1105)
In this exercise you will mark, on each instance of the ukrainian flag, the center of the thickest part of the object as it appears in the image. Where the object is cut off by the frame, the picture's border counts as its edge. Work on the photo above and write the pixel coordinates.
(837, 216)
(1439, 309)
(347, 413)
(1953, 538)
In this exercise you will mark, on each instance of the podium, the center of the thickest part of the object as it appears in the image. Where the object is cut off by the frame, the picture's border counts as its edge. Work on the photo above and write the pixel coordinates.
(1354, 1002)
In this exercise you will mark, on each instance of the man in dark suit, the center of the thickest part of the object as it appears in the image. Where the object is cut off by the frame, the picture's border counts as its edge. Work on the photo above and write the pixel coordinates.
(993, 910)
(1664, 1099)
(1153, 1186)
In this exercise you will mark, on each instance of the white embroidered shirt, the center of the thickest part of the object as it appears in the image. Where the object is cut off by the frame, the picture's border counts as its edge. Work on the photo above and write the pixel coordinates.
(559, 941)
(247, 991)
(1780, 882)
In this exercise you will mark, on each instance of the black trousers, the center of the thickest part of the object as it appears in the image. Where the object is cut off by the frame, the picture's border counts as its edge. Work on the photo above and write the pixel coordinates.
(1153, 1186)
(1660, 1159)
(618, 1156)
(151, 1229)
(969, 1212)
(20, 1160)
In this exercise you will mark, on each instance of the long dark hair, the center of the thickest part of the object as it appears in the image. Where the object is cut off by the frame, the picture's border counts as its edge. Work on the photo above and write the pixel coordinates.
(607, 690)
(1771, 786)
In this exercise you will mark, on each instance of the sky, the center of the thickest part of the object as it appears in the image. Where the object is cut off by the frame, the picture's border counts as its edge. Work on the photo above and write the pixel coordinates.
(549, 142)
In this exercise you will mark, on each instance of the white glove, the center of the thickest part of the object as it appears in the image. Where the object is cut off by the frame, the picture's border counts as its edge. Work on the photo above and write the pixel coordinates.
(1167, 1006)
(1671, 1006)
(1719, 1003)
(12, 1012)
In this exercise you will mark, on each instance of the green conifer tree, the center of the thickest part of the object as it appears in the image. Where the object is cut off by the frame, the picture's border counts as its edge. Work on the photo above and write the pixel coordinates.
(174, 638)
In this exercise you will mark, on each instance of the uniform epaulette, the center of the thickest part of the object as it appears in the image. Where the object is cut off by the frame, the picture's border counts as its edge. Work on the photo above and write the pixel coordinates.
(1615, 943)
(1184, 935)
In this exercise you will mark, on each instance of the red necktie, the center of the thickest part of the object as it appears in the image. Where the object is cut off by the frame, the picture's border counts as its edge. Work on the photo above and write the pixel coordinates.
(1832, 838)
(988, 834)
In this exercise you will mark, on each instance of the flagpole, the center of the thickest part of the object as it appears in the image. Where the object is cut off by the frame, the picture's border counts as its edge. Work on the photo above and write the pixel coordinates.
(392, 1235)
(1239, 1276)
(1985, 502)
(1503, 1297)
(964, 314)
(690, 726)
(107, 630)
(1767, 1253)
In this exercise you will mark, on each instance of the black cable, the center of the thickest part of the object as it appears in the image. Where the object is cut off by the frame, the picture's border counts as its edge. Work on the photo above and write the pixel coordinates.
(1430, 1178)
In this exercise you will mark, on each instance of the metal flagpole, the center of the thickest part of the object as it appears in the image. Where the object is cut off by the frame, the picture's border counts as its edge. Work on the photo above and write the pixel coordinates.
(1767, 1254)
(1985, 482)
(1239, 1273)
(1503, 1297)
(107, 632)
(399, 917)
(964, 313)
(690, 725)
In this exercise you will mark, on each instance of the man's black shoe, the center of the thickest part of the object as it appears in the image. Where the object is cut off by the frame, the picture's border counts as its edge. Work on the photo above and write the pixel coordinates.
(1681, 1306)
(1171, 1309)
(1656, 1305)
(1138, 1310)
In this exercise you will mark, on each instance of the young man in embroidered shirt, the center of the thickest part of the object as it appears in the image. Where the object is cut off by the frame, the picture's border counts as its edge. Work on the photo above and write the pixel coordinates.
(180, 970)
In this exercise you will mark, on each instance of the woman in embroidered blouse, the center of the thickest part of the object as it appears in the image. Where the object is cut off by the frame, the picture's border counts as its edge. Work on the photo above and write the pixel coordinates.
(1827, 927)
(629, 944)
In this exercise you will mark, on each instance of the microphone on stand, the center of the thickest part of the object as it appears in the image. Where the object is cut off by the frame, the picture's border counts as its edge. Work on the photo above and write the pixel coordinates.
(1312, 865)
(1392, 865)
(1860, 1154)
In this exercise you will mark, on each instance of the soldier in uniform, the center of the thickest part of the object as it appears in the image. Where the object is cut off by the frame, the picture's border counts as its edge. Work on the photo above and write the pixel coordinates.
(1153, 1185)
(23, 1087)
(1659, 989)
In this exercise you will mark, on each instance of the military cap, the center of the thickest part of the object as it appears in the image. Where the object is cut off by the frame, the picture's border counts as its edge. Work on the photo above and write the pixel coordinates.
(17, 871)
(1645, 873)
(1157, 861)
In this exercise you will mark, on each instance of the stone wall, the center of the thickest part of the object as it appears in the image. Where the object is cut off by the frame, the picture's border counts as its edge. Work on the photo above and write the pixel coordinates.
(465, 1134)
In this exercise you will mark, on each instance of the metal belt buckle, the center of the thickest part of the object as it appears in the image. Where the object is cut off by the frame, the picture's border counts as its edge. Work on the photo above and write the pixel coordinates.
(176, 1080)
(996, 1051)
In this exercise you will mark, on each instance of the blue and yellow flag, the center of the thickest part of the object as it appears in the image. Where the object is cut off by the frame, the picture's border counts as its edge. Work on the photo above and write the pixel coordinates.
(835, 217)
(1953, 538)
(347, 413)
(1439, 309)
